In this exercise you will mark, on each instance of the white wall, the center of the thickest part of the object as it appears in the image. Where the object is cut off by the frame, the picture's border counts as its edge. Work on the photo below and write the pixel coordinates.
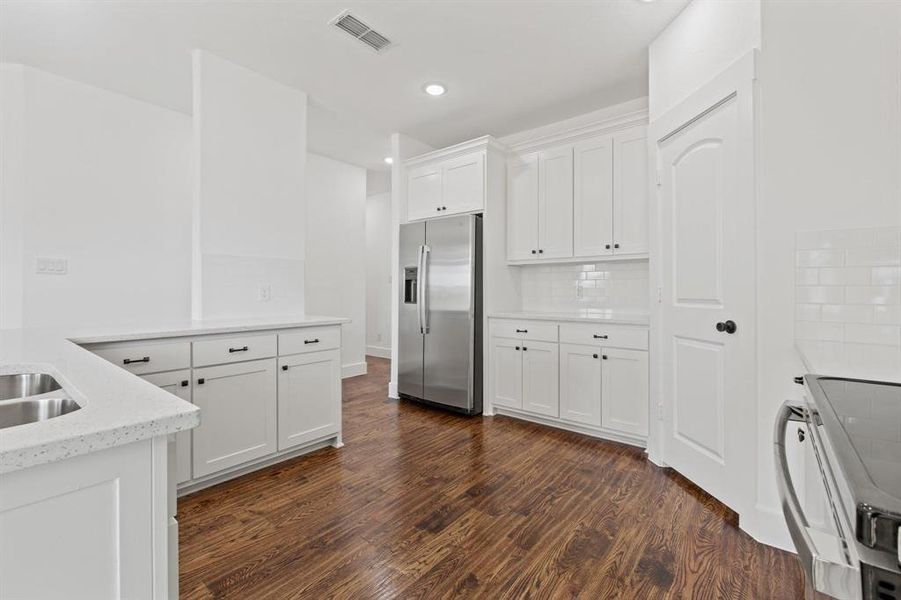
(706, 37)
(101, 180)
(830, 158)
(335, 280)
(378, 274)
(250, 150)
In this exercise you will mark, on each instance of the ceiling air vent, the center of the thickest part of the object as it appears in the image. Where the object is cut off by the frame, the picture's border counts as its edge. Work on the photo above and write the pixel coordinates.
(361, 31)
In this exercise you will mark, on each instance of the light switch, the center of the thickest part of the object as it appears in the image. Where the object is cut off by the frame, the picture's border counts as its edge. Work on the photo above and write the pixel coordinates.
(52, 266)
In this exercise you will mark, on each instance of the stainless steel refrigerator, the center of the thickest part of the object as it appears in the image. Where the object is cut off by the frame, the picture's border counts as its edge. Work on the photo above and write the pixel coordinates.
(440, 321)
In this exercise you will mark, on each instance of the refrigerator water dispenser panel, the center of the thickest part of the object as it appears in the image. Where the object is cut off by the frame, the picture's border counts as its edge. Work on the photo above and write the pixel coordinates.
(410, 278)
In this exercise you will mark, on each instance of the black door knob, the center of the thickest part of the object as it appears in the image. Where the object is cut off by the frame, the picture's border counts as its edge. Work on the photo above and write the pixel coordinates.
(727, 326)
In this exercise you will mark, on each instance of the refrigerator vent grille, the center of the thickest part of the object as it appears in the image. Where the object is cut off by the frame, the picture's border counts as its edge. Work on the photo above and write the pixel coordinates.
(361, 31)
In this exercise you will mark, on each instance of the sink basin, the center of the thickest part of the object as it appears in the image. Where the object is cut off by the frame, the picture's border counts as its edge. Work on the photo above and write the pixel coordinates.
(29, 397)
(22, 385)
(19, 412)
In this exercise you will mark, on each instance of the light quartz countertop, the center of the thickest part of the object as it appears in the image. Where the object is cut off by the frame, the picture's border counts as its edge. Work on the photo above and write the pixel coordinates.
(117, 407)
(611, 317)
(873, 362)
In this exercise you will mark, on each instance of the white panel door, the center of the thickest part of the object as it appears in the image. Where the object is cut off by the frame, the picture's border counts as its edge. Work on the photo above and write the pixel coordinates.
(625, 391)
(463, 181)
(580, 384)
(593, 197)
(506, 372)
(555, 203)
(424, 192)
(309, 397)
(630, 192)
(522, 207)
(704, 157)
(177, 383)
(540, 380)
(238, 414)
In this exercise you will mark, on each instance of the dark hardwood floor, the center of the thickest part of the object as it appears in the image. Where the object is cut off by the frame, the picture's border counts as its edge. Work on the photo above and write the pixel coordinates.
(425, 504)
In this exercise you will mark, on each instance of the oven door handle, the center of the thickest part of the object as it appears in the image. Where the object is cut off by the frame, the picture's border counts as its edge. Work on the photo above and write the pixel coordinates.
(839, 580)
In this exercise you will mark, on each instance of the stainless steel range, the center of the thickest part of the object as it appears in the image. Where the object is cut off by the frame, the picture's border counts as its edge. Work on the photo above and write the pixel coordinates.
(855, 429)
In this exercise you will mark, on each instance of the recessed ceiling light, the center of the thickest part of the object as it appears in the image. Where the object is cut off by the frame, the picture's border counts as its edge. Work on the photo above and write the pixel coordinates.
(389, 160)
(435, 89)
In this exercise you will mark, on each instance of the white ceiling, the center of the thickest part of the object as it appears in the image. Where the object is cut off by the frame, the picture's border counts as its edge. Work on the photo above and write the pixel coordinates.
(509, 65)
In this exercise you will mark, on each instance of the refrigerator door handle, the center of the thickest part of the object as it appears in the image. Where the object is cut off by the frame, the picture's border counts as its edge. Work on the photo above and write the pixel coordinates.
(419, 288)
(423, 289)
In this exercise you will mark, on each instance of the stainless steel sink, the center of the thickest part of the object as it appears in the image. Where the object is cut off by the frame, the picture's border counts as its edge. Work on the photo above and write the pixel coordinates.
(30, 397)
(29, 410)
(22, 385)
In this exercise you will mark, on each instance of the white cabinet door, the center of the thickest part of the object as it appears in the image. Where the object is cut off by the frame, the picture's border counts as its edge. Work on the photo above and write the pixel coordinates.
(309, 397)
(555, 203)
(177, 383)
(238, 414)
(506, 372)
(625, 391)
(630, 192)
(540, 387)
(593, 197)
(463, 182)
(580, 384)
(522, 207)
(424, 192)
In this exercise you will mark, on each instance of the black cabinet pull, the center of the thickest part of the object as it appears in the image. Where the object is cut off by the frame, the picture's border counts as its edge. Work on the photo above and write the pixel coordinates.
(540, 251)
(313, 341)
(129, 361)
(517, 347)
(616, 245)
(443, 208)
(184, 383)
(604, 356)
(241, 349)
(522, 331)
(594, 356)
(534, 252)
(799, 380)
(607, 246)
(524, 348)
(728, 326)
(438, 209)
(284, 367)
(201, 381)
(600, 337)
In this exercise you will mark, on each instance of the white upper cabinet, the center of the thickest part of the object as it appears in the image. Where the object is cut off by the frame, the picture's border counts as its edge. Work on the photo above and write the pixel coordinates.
(593, 197)
(424, 192)
(630, 192)
(592, 200)
(522, 207)
(463, 184)
(555, 203)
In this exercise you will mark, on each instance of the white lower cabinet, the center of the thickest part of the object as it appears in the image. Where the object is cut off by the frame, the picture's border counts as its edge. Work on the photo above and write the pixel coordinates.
(309, 397)
(580, 384)
(540, 366)
(238, 414)
(177, 383)
(625, 391)
(602, 388)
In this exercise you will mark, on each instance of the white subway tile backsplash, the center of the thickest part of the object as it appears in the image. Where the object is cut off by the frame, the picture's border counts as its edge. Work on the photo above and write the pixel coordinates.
(571, 287)
(848, 292)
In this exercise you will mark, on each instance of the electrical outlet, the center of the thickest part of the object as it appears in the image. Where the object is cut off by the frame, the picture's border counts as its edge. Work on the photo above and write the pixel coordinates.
(51, 266)
(265, 292)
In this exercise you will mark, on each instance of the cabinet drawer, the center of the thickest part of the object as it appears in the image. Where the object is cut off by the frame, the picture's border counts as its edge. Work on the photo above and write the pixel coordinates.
(234, 349)
(615, 336)
(147, 357)
(524, 330)
(310, 339)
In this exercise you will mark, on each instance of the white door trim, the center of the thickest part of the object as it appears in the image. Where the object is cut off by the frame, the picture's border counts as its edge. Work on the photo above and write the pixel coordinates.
(737, 80)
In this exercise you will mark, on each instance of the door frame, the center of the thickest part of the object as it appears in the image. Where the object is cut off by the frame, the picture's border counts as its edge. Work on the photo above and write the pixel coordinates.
(739, 80)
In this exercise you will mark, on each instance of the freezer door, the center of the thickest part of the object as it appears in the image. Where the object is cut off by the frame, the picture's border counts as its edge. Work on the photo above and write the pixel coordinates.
(450, 297)
(410, 338)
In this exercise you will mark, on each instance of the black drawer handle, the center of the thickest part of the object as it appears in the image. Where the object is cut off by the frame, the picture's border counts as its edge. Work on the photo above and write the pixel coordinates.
(604, 356)
(313, 341)
(600, 337)
(201, 381)
(241, 349)
(129, 361)
(184, 383)
(522, 331)
(517, 347)
(524, 348)
(284, 367)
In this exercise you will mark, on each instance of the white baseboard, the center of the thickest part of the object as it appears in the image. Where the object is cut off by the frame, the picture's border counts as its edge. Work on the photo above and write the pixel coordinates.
(353, 370)
(378, 351)
(392, 390)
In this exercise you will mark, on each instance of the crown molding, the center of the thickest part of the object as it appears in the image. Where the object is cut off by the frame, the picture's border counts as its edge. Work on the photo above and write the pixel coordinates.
(485, 142)
(573, 134)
